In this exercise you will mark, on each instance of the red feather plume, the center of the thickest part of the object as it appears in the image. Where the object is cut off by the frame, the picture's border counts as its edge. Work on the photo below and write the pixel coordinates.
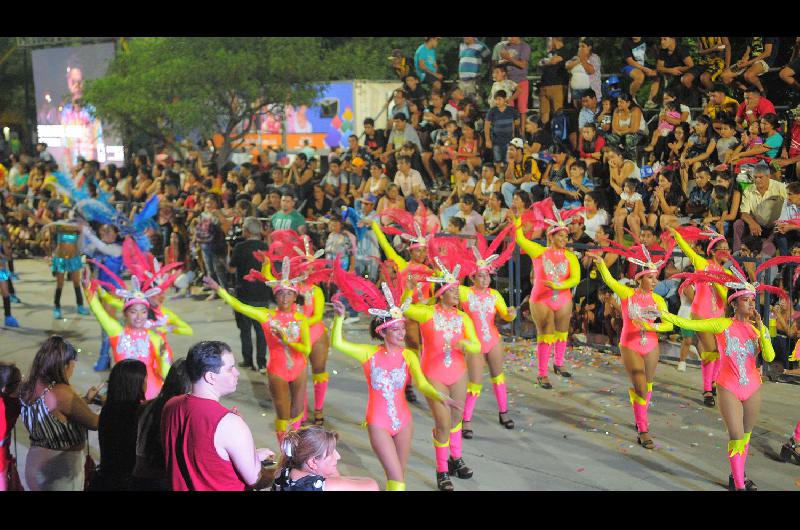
(778, 260)
(452, 251)
(255, 276)
(691, 233)
(137, 262)
(403, 218)
(360, 293)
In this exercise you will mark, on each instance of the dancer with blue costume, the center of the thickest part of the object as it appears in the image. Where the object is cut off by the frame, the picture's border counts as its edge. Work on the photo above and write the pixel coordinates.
(5, 277)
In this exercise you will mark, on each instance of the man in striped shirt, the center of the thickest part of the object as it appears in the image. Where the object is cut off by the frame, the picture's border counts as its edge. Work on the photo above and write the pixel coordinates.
(471, 54)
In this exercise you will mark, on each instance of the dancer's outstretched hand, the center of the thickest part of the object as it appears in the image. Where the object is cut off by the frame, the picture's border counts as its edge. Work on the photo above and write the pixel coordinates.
(209, 282)
(338, 308)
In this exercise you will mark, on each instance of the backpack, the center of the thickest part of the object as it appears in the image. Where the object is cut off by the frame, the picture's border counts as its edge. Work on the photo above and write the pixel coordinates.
(559, 127)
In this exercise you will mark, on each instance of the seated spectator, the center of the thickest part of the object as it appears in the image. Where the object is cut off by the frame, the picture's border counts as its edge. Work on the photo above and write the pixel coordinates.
(572, 189)
(494, 215)
(521, 172)
(335, 182)
(308, 463)
(590, 148)
(792, 153)
(117, 426)
(401, 133)
(753, 108)
(502, 125)
(469, 147)
(558, 167)
(318, 205)
(594, 216)
(377, 182)
(628, 126)
(413, 90)
(537, 138)
(719, 102)
(762, 204)
(673, 61)
(699, 148)
(410, 182)
(444, 148)
(670, 117)
(699, 195)
(619, 168)
(636, 67)
(788, 234)
(788, 73)
(715, 56)
(756, 61)
(727, 141)
(392, 199)
(667, 202)
(473, 221)
(589, 107)
(455, 225)
(765, 151)
(208, 447)
(630, 209)
(464, 183)
(374, 139)
(488, 184)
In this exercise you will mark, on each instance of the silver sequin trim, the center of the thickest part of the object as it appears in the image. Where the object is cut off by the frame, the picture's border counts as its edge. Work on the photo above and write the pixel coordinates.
(388, 382)
(740, 352)
(449, 328)
(133, 347)
(483, 306)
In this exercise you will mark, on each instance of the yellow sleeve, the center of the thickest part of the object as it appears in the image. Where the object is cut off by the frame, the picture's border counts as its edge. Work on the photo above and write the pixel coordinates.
(420, 381)
(387, 247)
(261, 314)
(501, 307)
(179, 327)
(266, 270)
(110, 325)
(359, 352)
(531, 248)
(574, 273)
(661, 327)
(163, 357)
(474, 345)
(319, 305)
(463, 293)
(767, 351)
(304, 346)
(710, 325)
(698, 262)
(110, 300)
(419, 312)
(623, 291)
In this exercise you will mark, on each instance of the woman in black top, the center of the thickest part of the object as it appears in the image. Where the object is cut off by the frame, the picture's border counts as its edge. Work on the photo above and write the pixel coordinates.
(319, 204)
(117, 428)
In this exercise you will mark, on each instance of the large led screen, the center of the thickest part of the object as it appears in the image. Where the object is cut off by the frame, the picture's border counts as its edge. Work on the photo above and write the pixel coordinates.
(68, 126)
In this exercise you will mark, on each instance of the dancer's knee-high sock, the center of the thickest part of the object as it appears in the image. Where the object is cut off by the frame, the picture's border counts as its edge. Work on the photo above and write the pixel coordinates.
(320, 389)
(797, 432)
(297, 421)
(473, 392)
(736, 457)
(707, 371)
(560, 347)
(78, 295)
(639, 405)
(544, 346)
(649, 393)
(455, 442)
(281, 426)
(442, 450)
(394, 485)
(7, 306)
(499, 384)
(11, 289)
(57, 299)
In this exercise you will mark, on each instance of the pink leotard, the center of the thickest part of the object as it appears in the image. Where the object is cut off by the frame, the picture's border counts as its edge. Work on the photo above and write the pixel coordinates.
(481, 306)
(738, 346)
(317, 329)
(279, 354)
(707, 301)
(137, 344)
(551, 265)
(441, 358)
(387, 376)
(633, 337)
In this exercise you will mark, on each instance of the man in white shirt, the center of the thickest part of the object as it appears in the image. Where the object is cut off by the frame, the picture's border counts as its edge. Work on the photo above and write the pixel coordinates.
(409, 181)
(761, 205)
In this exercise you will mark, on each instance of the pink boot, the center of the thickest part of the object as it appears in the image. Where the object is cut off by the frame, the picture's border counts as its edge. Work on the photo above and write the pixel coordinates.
(455, 442)
(469, 405)
(543, 355)
(499, 385)
(320, 389)
(737, 458)
(442, 454)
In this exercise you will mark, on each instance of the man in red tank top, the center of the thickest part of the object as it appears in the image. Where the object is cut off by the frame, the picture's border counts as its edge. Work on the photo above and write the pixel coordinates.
(207, 446)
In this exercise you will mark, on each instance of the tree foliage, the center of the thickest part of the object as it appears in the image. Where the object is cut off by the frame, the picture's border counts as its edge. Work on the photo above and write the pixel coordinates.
(166, 86)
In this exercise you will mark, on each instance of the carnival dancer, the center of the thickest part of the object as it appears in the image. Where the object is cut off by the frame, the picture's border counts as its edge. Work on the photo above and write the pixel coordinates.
(66, 260)
(5, 277)
(739, 338)
(133, 340)
(417, 235)
(482, 304)
(556, 271)
(289, 242)
(146, 268)
(387, 369)
(638, 344)
(709, 299)
(447, 335)
(288, 340)
(791, 449)
(105, 250)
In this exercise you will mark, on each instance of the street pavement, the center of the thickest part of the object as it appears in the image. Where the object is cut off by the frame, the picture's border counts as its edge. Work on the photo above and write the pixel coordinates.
(579, 436)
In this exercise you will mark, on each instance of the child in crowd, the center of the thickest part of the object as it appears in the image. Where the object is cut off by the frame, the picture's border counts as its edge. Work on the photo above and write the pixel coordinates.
(672, 111)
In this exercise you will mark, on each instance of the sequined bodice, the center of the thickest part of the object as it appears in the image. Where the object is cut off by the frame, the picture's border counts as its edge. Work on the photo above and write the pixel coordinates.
(481, 306)
(637, 307)
(554, 268)
(285, 323)
(388, 383)
(450, 325)
(739, 348)
(134, 344)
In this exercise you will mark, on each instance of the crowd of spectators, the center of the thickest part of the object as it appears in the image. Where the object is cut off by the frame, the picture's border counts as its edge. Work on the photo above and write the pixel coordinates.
(475, 150)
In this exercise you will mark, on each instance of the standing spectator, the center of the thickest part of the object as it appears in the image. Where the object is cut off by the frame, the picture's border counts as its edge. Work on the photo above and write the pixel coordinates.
(10, 378)
(57, 419)
(638, 68)
(149, 472)
(756, 61)
(471, 54)
(762, 204)
(584, 70)
(425, 61)
(367, 247)
(308, 463)
(673, 60)
(250, 293)
(518, 54)
(502, 124)
(288, 218)
(117, 426)
(210, 235)
(400, 64)
(553, 86)
(501, 82)
(208, 447)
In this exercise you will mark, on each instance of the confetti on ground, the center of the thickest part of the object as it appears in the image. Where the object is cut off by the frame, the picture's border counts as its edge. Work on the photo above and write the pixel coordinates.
(581, 469)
